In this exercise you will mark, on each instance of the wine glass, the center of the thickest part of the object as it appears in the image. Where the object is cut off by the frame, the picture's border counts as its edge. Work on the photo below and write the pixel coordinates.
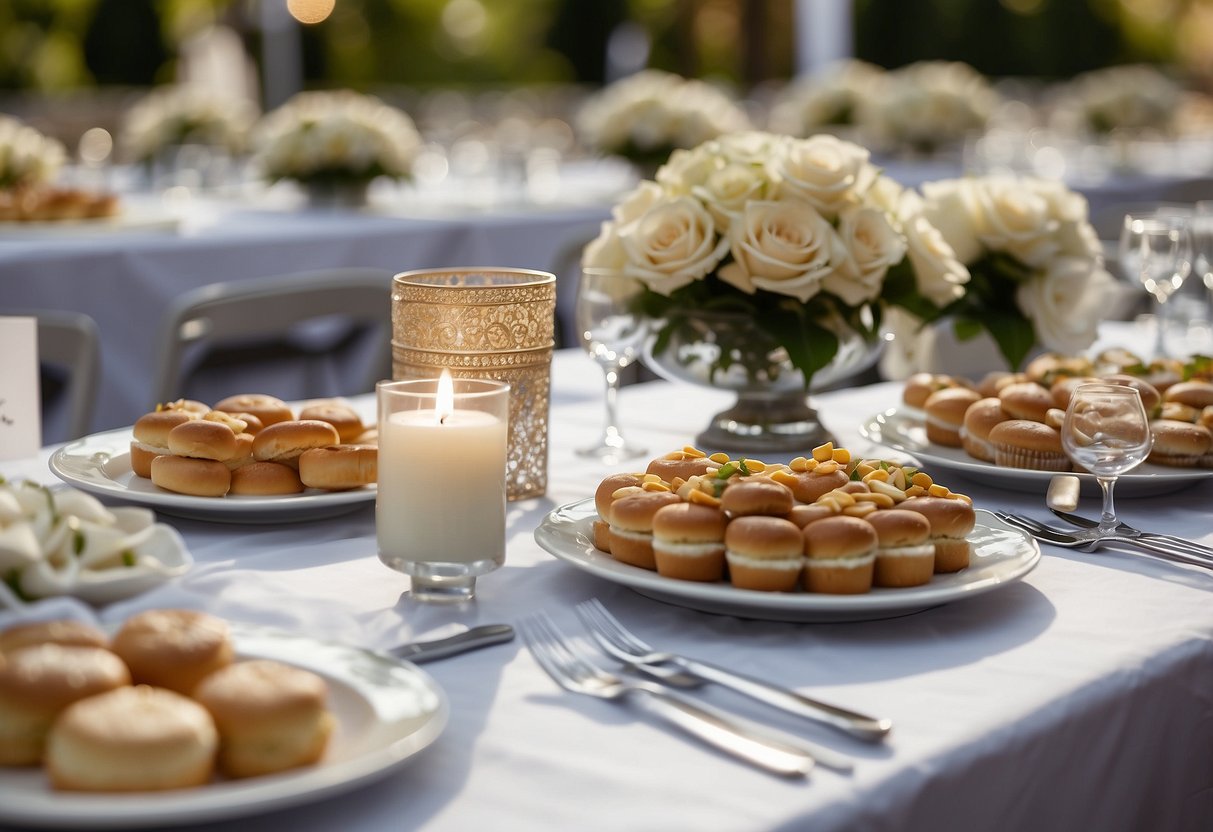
(1156, 249)
(611, 331)
(1202, 248)
(1107, 432)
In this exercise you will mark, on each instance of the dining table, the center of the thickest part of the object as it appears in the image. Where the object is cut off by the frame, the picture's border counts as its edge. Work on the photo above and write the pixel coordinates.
(1075, 696)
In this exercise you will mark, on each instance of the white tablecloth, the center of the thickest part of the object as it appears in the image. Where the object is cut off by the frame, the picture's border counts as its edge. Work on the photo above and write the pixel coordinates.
(1079, 698)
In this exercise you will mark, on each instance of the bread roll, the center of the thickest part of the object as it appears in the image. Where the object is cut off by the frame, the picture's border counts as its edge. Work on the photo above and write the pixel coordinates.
(688, 542)
(840, 554)
(341, 416)
(979, 419)
(150, 437)
(132, 739)
(904, 554)
(763, 553)
(631, 527)
(196, 477)
(268, 409)
(265, 479)
(951, 520)
(1026, 400)
(1179, 444)
(286, 441)
(203, 439)
(173, 649)
(756, 496)
(945, 414)
(683, 468)
(340, 467)
(63, 631)
(270, 716)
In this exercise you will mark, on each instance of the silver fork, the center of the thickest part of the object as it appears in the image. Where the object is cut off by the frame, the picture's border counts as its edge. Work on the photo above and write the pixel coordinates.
(574, 673)
(620, 643)
(1059, 537)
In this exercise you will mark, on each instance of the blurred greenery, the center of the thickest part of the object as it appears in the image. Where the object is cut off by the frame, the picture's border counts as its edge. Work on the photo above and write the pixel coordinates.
(55, 45)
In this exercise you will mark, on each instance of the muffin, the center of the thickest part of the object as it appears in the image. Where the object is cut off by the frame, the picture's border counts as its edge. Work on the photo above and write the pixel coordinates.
(946, 413)
(839, 555)
(631, 526)
(1063, 388)
(951, 520)
(1025, 400)
(1195, 394)
(1179, 444)
(764, 553)
(904, 554)
(979, 419)
(1021, 443)
(920, 386)
(688, 542)
(1150, 397)
(173, 649)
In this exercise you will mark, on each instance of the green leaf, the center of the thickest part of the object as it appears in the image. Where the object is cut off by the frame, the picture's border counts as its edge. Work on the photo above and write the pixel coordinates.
(1014, 336)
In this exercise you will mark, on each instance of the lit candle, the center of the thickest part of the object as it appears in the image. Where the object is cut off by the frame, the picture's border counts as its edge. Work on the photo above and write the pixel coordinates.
(440, 510)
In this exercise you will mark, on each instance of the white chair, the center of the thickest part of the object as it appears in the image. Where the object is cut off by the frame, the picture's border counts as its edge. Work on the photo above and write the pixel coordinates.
(69, 354)
(324, 333)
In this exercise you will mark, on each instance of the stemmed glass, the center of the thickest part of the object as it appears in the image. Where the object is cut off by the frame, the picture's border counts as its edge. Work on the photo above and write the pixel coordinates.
(1202, 248)
(612, 332)
(1156, 249)
(1107, 432)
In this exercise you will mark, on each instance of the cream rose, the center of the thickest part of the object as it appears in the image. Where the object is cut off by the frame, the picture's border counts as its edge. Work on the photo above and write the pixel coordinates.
(950, 206)
(938, 274)
(637, 202)
(826, 172)
(687, 168)
(1012, 217)
(672, 244)
(726, 191)
(785, 247)
(1066, 302)
(605, 252)
(874, 246)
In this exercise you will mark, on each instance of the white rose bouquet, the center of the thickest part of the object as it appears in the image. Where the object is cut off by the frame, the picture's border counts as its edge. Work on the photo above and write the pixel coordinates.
(805, 237)
(825, 100)
(180, 115)
(27, 157)
(927, 105)
(1034, 263)
(646, 116)
(1126, 97)
(336, 138)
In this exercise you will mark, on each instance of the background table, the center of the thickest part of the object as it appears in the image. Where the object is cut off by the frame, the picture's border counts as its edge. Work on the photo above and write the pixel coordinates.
(1078, 698)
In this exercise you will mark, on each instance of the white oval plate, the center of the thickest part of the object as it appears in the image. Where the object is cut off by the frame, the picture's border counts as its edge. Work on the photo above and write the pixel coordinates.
(1001, 555)
(386, 710)
(902, 429)
(101, 465)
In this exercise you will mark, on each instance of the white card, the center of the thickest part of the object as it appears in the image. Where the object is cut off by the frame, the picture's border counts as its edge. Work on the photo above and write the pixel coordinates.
(20, 406)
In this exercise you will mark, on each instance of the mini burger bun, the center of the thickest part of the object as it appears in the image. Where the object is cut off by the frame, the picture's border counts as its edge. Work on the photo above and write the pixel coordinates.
(603, 495)
(763, 538)
(839, 537)
(65, 631)
(150, 437)
(285, 441)
(684, 468)
(340, 467)
(1179, 444)
(265, 479)
(341, 416)
(196, 477)
(899, 527)
(1151, 398)
(203, 440)
(757, 496)
(268, 409)
(689, 523)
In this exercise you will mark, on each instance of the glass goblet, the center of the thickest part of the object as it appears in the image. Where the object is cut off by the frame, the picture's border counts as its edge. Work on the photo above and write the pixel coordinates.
(1154, 248)
(1107, 432)
(612, 331)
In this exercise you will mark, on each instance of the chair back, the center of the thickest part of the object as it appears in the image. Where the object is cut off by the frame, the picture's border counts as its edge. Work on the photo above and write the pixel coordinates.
(303, 317)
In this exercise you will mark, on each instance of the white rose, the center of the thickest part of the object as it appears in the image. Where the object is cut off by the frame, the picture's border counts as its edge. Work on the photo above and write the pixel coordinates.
(1066, 302)
(950, 206)
(938, 273)
(1012, 217)
(687, 168)
(605, 252)
(826, 172)
(874, 246)
(634, 204)
(785, 247)
(751, 147)
(673, 244)
(726, 191)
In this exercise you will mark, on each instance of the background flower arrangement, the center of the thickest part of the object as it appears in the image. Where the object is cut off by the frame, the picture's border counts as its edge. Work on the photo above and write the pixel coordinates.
(928, 105)
(178, 115)
(27, 157)
(1127, 97)
(336, 138)
(646, 116)
(805, 237)
(826, 101)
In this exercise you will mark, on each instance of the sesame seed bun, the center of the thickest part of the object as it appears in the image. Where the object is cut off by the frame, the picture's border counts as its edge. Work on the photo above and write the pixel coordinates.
(756, 496)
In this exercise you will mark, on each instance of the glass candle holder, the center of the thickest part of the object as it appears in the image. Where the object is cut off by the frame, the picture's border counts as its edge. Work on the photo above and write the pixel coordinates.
(440, 507)
(485, 323)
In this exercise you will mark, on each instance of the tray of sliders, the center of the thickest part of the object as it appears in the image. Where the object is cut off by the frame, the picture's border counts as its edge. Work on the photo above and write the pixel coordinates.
(1004, 430)
(178, 716)
(829, 537)
(250, 458)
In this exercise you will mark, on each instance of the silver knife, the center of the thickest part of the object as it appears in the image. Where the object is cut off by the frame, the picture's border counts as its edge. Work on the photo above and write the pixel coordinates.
(440, 648)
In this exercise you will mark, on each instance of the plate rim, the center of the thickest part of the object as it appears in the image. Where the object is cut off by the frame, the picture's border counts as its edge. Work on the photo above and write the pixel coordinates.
(551, 532)
(252, 796)
(115, 443)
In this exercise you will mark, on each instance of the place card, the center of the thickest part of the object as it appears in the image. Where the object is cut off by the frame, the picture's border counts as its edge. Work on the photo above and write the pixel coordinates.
(20, 411)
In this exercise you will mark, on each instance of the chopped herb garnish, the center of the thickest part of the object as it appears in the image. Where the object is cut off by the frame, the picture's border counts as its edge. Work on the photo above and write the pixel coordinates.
(726, 471)
(855, 475)
(77, 542)
(745, 469)
(128, 557)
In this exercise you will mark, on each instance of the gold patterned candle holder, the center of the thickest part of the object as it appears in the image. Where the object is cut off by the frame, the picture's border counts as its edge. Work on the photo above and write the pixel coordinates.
(490, 323)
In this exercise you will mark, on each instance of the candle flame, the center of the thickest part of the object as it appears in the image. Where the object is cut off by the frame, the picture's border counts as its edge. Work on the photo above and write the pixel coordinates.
(445, 401)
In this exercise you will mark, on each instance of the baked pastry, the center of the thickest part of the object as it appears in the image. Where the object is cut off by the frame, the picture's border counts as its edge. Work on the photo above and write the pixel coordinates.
(1179, 444)
(1061, 389)
(268, 409)
(1151, 398)
(38, 682)
(340, 467)
(252, 424)
(839, 555)
(946, 413)
(1022, 443)
(203, 439)
(341, 416)
(604, 495)
(756, 496)
(196, 477)
(188, 405)
(631, 526)
(1195, 394)
(1026, 400)
(680, 466)
(149, 437)
(688, 542)
(995, 380)
(173, 649)
(764, 553)
(265, 479)
(951, 520)
(244, 452)
(270, 716)
(285, 441)
(132, 739)
(904, 554)
(919, 387)
(979, 419)
(64, 631)
(807, 486)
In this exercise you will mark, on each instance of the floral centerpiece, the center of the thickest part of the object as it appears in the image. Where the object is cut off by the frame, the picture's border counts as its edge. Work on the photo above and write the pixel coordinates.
(646, 116)
(1035, 266)
(173, 116)
(27, 157)
(826, 101)
(803, 242)
(1126, 97)
(335, 140)
(926, 106)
